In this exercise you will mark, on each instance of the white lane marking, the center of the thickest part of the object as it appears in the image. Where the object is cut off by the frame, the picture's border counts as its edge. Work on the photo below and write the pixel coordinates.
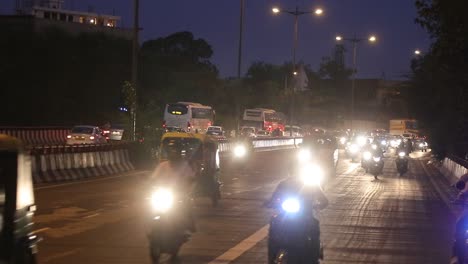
(89, 216)
(88, 181)
(40, 230)
(242, 247)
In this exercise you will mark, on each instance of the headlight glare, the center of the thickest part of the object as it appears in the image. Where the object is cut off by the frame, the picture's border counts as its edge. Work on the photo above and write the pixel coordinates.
(366, 155)
(291, 205)
(304, 155)
(376, 159)
(240, 151)
(402, 154)
(311, 175)
(162, 200)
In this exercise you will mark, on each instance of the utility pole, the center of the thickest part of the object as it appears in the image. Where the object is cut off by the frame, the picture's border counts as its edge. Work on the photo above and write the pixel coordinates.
(135, 49)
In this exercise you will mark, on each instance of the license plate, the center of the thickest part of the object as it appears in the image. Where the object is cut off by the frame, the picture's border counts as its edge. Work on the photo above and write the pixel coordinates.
(115, 133)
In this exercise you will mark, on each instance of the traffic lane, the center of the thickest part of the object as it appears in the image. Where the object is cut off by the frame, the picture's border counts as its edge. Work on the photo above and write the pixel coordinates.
(391, 220)
(105, 221)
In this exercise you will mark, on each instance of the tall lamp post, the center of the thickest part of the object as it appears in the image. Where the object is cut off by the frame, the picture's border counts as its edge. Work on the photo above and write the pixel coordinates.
(296, 13)
(135, 48)
(355, 40)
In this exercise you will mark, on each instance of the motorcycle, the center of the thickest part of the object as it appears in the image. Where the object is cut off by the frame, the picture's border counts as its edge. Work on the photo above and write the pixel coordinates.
(402, 163)
(376, 166)
(170, 224)
(352, 150)
(294, 233)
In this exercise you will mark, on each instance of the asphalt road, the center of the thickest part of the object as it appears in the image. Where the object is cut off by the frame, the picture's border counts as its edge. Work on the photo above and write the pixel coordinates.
(391, 220)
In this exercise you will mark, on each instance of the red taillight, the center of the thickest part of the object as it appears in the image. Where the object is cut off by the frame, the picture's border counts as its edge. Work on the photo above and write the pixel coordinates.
(68, 136)
(164, 124)
(106, 132)
(209, 123)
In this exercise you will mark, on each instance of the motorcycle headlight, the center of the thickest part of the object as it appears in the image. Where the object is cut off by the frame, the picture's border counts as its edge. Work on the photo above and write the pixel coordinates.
(361, 141)
(366, 155)
(311, 175)
(162, 200)
(343, 140)
(291, 205)
(402, 154)
(304, 155)
(383, 142)
(421, 145)
(240, 151)
(425, 144)
(374, 146)
(353, 148)
(376, 159)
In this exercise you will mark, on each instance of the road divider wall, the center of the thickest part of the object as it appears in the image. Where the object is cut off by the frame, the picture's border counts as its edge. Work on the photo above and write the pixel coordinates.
(66, 162)
(32, 136)
(453, 168)
(63, 163)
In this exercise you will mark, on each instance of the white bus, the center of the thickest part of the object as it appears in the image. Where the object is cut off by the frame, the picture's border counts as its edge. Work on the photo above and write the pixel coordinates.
(263, 119)
(190, 117)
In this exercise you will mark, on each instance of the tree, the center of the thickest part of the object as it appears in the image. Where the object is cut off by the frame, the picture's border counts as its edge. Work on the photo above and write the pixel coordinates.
(176, 68)
(440, 80)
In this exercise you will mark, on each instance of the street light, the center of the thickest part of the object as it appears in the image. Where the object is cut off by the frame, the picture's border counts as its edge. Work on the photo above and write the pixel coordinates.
(417, 52)
(354, 40)
(296, 13)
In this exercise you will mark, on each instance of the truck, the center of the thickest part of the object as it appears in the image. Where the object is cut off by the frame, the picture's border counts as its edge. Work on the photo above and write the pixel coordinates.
(407, 128)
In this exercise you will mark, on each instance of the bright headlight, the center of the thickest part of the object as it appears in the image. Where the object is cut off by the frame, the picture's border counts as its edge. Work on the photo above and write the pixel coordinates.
(291, 205)
(361, 140)
(421, 145)
(402, 154)
(353, 148)
(343, 140)
(303, 155)
(376, 159)
(240, 151)
(367, 155)
(374, 146)
(383, 142)
(162, 200)
(311, 175)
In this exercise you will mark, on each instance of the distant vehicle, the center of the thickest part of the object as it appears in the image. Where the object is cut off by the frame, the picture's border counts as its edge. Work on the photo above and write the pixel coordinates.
(404, 127)
(173, 129)
(191, 117)
(216, 132)
(263, 133)
(263, 119)
(85, 135)
(247, 132)
(293, 131)
(215, 128)
(114, 132)
(420, 144)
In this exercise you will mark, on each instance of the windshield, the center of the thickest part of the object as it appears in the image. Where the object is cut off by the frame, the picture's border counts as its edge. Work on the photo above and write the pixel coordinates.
(202, 113)
(177, 109)
(82, 130)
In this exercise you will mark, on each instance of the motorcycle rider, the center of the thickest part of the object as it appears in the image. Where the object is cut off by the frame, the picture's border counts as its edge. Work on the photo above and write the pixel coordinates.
(314, 200)
(180, 173)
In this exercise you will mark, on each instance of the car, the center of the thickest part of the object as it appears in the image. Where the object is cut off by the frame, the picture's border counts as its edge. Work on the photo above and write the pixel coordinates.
(420, 144)
(85, 135)
(112, 132)
(247, 132)
(215, 128)
(263, 133)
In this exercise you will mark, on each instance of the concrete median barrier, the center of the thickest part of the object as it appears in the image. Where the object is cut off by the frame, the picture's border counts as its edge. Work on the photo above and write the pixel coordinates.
(64, 163)
(453, 168)
(32, 136)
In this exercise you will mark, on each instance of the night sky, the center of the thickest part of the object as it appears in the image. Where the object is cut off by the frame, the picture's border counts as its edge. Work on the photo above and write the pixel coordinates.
(270, 38)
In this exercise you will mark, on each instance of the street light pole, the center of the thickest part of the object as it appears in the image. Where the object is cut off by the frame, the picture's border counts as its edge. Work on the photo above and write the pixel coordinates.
(296, 13)
(241, 32)
(136, 5)
(354, 42)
